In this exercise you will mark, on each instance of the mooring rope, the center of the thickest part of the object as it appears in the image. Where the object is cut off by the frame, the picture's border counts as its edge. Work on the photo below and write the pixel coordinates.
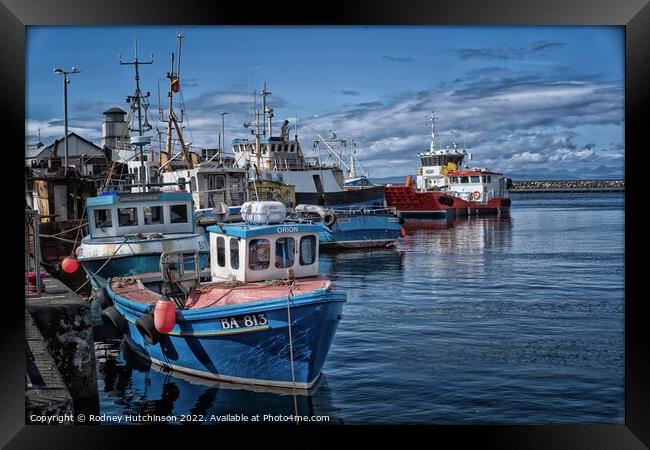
(103, 265)
(293, 373)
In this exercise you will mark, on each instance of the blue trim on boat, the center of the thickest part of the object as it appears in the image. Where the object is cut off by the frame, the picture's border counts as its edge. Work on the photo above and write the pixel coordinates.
(245, 231)
(255, 355)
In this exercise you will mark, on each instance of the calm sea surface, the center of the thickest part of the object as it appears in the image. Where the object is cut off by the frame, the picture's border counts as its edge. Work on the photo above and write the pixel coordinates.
(480, 321)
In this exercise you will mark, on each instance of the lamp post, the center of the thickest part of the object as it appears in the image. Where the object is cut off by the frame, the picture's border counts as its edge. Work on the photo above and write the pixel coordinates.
(66, 80)
(223, 135)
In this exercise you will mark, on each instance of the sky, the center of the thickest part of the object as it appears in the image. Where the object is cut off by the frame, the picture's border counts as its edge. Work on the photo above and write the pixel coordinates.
(531, 102)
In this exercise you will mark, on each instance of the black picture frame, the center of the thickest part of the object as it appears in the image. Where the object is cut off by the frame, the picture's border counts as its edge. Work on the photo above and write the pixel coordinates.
(634, 15)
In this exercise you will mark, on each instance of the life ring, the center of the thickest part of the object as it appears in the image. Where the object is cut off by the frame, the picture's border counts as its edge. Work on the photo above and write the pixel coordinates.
(147, 328)
(476, 195)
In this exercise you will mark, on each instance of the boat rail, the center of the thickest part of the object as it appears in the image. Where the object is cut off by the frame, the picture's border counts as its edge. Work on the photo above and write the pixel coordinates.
(379, 210)
(172, 269)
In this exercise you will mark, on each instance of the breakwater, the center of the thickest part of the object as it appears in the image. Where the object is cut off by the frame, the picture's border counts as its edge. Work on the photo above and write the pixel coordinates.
(569, 186)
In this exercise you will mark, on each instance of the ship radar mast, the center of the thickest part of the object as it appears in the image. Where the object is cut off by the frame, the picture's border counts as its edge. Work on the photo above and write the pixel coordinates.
(432, 125)
(139, 101)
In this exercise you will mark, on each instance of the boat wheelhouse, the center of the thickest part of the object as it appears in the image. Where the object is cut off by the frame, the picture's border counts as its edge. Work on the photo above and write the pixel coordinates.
(445, 186)
(265, 318)
(478, 185)
(129, 231)
(281, 159)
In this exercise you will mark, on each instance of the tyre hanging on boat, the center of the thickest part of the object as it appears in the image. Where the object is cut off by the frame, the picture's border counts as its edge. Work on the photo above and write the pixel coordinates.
(147, 328)
(329, 219)
(112, 317)
(102, 298)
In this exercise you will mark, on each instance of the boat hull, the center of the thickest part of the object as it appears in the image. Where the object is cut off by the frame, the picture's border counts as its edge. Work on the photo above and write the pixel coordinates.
(360, 196)
(439, 205)
(360, 231)
(199, 345)
(104, 259)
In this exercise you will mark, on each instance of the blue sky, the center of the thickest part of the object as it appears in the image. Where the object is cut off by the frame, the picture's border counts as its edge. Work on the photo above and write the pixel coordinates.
(540, 102)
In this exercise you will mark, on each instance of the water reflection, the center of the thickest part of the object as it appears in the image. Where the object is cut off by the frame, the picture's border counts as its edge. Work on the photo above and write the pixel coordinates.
(131, 385)
(364, 264)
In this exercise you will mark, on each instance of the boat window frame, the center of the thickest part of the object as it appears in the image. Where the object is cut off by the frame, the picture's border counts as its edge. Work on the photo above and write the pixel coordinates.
(171, 219)
(474, 179)
(119, 215)
(290, 243)
(162, 215)
(234, 253)
(103, 226)
(251, 252)
(221, 251)
(312, 238)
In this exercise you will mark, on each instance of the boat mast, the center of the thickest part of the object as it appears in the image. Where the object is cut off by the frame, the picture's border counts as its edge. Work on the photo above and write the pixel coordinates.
(138, 98)
(266, 110)
(174, 86)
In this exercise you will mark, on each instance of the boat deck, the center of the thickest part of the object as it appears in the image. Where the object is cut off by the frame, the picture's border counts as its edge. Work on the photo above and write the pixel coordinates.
(210, 295)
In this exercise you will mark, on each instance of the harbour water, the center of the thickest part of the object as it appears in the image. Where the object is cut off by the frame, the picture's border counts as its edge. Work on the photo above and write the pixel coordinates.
(485, 320)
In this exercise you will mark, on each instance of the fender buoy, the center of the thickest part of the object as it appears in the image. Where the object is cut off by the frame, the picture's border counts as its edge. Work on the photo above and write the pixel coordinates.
(402, 232)
(112, 317)
(476, 195)
(329, 219)
(164, 316)
(70, 264)
(147, 328)
(101, 295)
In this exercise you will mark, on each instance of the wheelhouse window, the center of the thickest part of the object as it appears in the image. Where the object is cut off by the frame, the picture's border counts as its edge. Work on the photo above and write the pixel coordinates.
(127, 217)
(153, 215)
(221, 251)
(475, 179)
(103, 218)
(307, 250)
(464, 179)
(259, 254)
(284, 252)
(234, 253)
(489, 178)
(178, 213)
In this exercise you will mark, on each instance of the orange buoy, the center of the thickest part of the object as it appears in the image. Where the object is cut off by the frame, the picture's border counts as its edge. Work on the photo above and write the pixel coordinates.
(70, 264)
(402, 232)
(164, 316)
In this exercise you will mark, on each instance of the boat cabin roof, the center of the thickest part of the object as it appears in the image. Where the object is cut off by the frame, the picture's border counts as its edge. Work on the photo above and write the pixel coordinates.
(467, 172)
(250, 253)
(245, 231)
(114, 197)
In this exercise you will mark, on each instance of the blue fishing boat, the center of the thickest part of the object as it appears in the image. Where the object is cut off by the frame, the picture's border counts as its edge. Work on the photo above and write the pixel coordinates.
(265, 318)
(354, 227)
(127, 233)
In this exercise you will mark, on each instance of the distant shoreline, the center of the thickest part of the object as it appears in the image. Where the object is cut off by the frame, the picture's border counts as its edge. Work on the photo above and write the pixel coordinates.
(568, 186)
(563, 186)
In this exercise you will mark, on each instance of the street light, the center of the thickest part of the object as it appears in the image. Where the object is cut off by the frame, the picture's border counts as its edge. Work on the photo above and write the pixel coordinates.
(223, 136)
(66, 80)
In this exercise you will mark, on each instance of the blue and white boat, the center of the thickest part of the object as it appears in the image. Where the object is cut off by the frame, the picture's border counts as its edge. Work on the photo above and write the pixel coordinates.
(129, 231)
(354, 227)
(265, 318)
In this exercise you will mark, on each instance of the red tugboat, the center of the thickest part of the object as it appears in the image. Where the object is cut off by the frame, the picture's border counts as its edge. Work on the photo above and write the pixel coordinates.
(444, 190)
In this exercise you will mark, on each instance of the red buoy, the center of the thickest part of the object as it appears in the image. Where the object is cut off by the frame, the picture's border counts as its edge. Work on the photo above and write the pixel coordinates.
(402, 232)
(164, 316)
(70, 264)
